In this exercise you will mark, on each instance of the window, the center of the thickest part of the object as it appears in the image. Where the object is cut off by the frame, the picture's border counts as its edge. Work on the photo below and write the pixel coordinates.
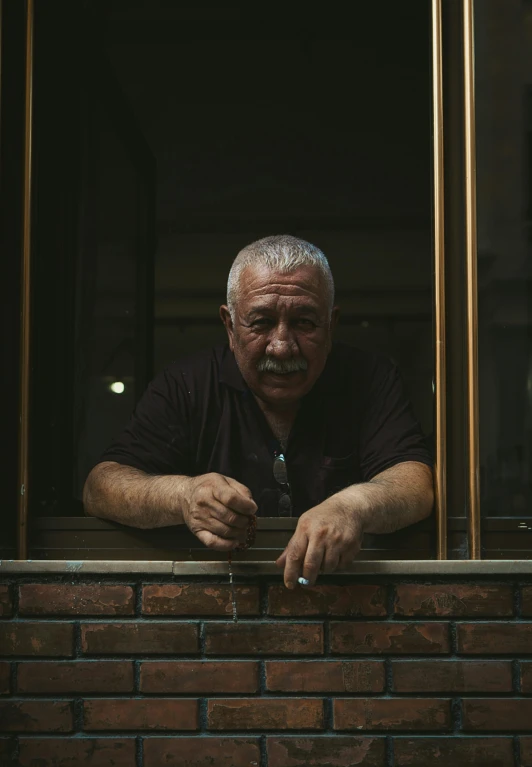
(188, 132)
(504, 111)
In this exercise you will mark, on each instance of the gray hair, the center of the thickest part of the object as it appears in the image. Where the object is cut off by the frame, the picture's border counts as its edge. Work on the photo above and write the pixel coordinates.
(280, 253)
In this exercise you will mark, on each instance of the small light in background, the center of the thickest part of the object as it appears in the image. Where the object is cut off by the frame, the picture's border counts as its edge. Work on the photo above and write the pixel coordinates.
(365, 324)
(117, 387)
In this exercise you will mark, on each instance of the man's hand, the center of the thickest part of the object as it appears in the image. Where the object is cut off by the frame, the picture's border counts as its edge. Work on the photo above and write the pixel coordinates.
(218, 510)
(330, 535)
(326, 537)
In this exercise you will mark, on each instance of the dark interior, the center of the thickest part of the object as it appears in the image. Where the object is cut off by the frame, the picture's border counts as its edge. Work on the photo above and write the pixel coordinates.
(168, 136)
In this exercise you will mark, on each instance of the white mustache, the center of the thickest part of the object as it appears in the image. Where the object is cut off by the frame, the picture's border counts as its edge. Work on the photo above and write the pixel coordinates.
(271, 365)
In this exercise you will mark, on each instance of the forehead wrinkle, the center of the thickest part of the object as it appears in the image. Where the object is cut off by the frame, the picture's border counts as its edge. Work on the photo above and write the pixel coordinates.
(304, 279)
(289, 304)
(282, 290)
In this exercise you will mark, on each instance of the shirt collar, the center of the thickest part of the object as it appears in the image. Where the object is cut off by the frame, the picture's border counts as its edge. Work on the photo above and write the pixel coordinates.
(229, 371)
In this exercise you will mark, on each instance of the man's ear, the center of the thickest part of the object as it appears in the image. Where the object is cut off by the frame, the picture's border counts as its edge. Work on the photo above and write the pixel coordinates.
(225, 316)
(335, 316)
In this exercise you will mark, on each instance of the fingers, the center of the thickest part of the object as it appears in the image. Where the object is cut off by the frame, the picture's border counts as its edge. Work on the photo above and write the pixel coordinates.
(233, 498)
(331, 560)
(308, 563)
(313, 561)
(215, 542)
(347, 558)
(310, 552)
(242, 489)
(294, 557)
(219, 509)
(213, 525)
(345, 561)
(228, 517)
(326, 539)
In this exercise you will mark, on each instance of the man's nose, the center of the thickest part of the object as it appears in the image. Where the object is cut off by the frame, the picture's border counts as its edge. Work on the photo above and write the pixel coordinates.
(282, 343)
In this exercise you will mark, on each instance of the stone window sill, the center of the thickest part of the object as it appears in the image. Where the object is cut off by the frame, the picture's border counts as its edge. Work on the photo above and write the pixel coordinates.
(167, 567)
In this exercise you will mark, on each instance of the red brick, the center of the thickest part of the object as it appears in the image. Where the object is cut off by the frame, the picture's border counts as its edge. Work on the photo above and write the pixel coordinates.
(526, 677)
(340, 751)
(526, 752)
(75, 677)
(4, 678)
(505, 715)
(391, 714)
(264, 638)
(265, 714)
(74, 752)
(351, 600)
(137, 714)
(6, 603)
(66, 599)
(325, 676)
(142, 638)
(201, 752)
(35, 716)
(453, 600)
(198, 599)
(51, 639)
(452, 676)
(199, 676)
(454, 752)
(493, 638)
(426, 638)
(526, 601)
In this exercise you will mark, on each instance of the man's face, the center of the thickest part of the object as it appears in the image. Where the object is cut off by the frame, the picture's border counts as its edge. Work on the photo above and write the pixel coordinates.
(281, 334)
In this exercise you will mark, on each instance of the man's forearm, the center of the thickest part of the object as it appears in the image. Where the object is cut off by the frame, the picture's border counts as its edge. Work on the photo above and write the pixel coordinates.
(393, 499)
(132, 497)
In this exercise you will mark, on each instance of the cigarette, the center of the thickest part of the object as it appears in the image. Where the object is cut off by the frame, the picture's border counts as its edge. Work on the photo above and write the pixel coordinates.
(303, 581)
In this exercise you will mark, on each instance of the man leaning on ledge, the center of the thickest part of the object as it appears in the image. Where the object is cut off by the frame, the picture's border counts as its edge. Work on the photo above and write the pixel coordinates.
(279, 422)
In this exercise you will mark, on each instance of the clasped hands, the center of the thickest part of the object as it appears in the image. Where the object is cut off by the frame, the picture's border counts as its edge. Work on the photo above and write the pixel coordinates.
(217, 510)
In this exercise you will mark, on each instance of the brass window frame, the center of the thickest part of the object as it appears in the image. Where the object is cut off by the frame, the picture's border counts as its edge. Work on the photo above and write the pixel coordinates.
(23, 483)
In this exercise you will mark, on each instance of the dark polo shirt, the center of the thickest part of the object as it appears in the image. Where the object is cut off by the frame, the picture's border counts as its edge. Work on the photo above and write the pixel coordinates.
(198, 416)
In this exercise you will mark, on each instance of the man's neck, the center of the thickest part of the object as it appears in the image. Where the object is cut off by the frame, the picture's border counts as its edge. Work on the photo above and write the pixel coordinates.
(282, 411)
(280, 419)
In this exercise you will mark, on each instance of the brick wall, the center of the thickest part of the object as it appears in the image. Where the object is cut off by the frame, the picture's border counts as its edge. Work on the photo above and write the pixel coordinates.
(144, 672)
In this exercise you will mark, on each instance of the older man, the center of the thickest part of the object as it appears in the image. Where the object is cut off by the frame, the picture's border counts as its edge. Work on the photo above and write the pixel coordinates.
(279, 422)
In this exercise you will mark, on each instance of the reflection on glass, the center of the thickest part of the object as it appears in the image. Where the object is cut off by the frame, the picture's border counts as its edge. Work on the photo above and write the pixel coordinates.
(503, 46)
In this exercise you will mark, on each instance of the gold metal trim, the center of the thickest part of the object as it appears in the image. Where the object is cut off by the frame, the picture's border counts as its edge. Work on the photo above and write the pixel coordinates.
(24, 403)
(473, 461)
(439, 285)
(1, 33)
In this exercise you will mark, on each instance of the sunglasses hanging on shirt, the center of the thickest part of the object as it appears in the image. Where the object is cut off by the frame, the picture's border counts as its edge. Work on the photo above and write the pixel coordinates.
(281, 477)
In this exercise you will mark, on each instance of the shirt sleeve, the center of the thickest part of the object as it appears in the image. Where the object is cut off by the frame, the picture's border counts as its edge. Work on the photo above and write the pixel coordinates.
(157, 437)
(390, 433)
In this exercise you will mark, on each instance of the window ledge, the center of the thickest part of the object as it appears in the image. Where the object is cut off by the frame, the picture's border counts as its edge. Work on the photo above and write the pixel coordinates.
(167, 567)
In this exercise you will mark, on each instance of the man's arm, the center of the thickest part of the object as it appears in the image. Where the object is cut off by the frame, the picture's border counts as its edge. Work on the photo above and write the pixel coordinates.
(132, 497)
(395, 498)
(214, 507)
(329, 536)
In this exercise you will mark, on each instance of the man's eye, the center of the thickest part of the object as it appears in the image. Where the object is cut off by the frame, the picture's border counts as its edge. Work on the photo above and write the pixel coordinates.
(262, 322)
(306, 323)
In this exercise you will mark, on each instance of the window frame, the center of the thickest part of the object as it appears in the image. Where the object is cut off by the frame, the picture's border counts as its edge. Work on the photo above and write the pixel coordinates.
(455, 282)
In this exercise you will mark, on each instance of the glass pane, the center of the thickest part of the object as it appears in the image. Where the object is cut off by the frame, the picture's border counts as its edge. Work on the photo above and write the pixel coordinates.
(503, 45)
(91, 249)
(326, 137)
(106, 296)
